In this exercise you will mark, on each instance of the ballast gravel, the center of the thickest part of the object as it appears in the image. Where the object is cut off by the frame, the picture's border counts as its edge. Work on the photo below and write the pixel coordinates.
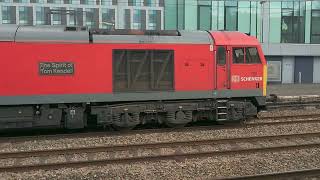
(195, 168)
(297, 112)
(157, 137)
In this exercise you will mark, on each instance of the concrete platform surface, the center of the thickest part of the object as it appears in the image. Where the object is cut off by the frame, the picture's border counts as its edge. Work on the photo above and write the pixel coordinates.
(293, 89)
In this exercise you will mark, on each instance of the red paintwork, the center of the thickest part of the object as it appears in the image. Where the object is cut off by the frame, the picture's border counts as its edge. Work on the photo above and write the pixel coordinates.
(237, 39)
(195, 67)
(93, 67)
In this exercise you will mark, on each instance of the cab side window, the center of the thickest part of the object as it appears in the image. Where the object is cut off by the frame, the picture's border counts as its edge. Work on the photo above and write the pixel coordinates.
(238, 55)
(252, 56)
(221, 55)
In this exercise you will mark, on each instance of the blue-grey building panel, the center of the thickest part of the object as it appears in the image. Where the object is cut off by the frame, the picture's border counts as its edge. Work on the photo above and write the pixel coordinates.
(303, 71)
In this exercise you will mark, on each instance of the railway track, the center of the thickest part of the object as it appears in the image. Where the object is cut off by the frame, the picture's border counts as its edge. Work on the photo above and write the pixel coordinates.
(299, 174)
(301, 119)
(81, 157)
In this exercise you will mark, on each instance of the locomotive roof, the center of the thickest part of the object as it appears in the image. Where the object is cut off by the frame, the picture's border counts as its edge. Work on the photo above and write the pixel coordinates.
(233, 38)
(79, 35)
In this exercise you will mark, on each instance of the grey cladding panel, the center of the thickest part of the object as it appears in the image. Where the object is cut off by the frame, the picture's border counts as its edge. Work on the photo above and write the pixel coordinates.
(7, 32)
(50, 34)
(187, 37)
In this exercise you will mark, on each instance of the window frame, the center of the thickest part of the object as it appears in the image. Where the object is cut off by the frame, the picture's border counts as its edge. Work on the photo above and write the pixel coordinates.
(245, 55)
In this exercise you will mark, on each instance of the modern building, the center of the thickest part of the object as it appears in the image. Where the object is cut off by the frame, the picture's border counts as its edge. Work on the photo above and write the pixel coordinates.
(289, 30)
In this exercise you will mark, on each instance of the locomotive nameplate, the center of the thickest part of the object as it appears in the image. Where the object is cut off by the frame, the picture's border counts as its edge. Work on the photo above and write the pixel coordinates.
(56, 68)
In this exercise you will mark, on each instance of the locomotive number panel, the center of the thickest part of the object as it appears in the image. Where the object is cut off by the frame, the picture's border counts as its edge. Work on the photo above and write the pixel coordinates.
(56, 68)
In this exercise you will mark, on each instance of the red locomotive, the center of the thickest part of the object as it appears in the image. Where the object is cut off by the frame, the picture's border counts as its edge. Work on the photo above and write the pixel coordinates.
(63, 77)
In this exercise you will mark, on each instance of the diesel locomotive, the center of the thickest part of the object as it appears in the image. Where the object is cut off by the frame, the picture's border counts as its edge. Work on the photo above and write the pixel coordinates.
(70, 77)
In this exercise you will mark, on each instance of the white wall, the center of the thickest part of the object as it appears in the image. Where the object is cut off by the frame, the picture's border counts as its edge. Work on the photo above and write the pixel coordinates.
(316, 70)
(288, 69)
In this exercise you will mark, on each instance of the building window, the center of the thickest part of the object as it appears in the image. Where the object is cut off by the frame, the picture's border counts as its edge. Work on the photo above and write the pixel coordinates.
(8, 14)
(40, 16)
(72, 14)
(149, 3)
(231, 16)
(204, 14)
(134, 2)
(54, 1)
(108, 18)
(90, 17)
(315, 23)
(88, 2)
(292, 22)
(56, 17)
(21, 1)
(109, 2)
(154, 20)
(25, 15)
(127, 19)
(136, 19)
(174, 14)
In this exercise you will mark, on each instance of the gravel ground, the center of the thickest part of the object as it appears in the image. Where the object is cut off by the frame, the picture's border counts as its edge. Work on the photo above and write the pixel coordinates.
(166, 150)
(197, 168)
(279, 113)
(161, 137)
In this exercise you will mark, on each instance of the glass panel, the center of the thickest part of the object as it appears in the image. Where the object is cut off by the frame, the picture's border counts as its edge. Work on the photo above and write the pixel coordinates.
(152, 20)
(231, 15)
(170, 15)
(238, 55)
(25, 16)
(40, 16)
(315, 26)
(275, 22)
(142, 70)
(72, 16)
(214, 15)
(56, 17)
(181, 14)
(8, 14)
(254, 19)
(108, 18)
(244, 19)
(221, 15)
(252, 56)
(221, 55)
(191, 7)
(307, 36)
(292, 22)
(90, 22)
(204, 18)
(136, 19)
(315, 5)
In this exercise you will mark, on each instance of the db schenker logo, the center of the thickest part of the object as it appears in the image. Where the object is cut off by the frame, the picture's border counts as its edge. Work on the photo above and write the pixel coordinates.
(237, 78)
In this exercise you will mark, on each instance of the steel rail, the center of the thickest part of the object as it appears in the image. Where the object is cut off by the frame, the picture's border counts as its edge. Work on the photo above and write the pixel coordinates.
(176, 156)
(248, 124)
(279, 175)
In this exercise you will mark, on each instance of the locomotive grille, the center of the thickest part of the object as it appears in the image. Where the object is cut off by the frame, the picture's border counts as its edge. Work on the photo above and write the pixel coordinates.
(143, 70)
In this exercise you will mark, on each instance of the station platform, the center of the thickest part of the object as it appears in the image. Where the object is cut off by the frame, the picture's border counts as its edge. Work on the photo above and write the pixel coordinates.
(293, 89)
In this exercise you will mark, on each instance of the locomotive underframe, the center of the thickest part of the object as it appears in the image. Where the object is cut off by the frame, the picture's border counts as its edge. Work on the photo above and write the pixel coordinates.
(128, 115)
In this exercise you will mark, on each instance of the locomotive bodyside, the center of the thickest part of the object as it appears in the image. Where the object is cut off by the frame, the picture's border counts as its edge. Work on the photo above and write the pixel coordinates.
(55, 77)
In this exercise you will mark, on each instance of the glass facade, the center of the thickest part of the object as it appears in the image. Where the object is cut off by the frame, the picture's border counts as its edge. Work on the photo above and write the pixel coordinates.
(25, 15)
(274, 21)
(315, 23)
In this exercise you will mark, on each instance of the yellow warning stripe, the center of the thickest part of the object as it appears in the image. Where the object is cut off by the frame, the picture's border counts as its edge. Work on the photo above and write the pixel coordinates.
(265, 76)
